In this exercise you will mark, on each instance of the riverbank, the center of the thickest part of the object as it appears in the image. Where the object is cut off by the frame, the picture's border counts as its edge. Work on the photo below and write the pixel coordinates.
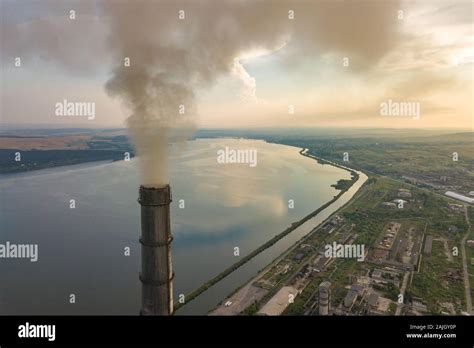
(248, 294)
(355, 177)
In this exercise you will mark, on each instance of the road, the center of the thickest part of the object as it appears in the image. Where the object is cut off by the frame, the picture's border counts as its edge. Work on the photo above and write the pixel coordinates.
(402, 291)
(467, 286)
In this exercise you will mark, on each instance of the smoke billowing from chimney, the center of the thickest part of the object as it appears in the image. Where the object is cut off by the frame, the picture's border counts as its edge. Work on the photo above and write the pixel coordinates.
(177, 47)
(191, 52)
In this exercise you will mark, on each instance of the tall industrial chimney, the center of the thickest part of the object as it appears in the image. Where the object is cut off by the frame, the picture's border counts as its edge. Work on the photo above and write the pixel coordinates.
(324, 298)
(156, 275)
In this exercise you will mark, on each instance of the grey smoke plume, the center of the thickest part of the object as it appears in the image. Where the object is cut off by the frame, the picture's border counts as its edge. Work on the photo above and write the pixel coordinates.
(171, 57)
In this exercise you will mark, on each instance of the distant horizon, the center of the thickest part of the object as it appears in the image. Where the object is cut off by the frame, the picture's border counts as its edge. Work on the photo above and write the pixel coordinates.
(12, 126)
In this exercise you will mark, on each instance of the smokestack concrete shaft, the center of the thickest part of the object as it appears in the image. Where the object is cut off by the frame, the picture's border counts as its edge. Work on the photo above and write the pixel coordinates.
(156, 275)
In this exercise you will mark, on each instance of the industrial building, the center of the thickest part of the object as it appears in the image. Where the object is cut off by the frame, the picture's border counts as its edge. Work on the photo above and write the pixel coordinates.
(459, 197)
(350, 299)
(404, 193)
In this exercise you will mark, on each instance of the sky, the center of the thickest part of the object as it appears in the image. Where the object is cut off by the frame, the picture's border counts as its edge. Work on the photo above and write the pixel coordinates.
(240, 63)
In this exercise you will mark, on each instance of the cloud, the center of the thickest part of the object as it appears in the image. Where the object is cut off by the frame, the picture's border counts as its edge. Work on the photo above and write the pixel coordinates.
(74, 45)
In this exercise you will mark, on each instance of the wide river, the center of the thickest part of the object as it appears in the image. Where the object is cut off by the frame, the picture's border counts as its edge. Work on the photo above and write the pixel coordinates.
(82, 250)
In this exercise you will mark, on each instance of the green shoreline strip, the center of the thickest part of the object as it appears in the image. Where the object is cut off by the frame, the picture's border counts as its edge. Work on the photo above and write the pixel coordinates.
(195, 293)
